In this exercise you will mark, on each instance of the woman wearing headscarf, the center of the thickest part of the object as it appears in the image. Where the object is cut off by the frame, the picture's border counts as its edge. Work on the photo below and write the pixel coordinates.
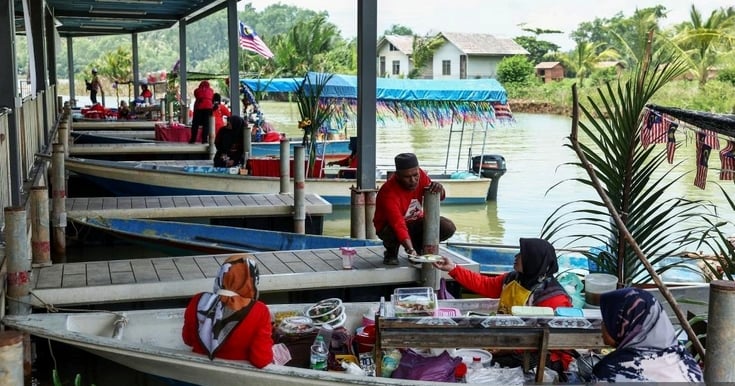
(230, 322)
(531, 283)
(229, 143)
(646, 350)
(219, 111)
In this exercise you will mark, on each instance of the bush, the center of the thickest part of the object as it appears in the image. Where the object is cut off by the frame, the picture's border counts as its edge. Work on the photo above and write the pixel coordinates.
(727, 75)
(515, 69)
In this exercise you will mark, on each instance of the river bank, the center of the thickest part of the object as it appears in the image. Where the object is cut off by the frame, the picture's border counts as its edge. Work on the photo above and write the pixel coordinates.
(538, 107)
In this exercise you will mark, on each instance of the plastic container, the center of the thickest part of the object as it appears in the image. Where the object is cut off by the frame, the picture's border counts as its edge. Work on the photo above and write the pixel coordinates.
(596, 284)
(419, 301)
(319, 354)
(531, 311)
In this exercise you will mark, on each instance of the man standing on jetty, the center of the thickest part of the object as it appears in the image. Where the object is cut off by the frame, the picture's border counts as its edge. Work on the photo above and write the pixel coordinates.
(399, 213)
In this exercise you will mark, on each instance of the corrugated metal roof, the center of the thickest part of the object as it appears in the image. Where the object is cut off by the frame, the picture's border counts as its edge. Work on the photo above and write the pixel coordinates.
(114, 17)
(483, 44)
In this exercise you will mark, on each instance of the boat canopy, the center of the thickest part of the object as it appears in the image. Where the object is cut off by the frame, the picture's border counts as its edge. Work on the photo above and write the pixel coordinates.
(439, 101)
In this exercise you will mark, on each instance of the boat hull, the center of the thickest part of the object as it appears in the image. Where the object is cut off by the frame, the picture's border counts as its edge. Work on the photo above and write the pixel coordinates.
(141, 179)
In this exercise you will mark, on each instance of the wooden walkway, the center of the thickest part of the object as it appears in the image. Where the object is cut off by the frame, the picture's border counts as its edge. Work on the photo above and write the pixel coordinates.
(181, 277)
(86, 150)
(113, 125)
(235, 205)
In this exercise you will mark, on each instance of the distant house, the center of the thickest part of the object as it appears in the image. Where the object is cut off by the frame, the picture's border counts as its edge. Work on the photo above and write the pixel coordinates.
(550, 71)
(394, 56)
(619, 65)
(472, 55)
(462, 56)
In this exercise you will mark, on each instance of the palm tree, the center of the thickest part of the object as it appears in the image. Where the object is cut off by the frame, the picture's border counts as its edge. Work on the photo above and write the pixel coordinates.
(423, 52)
(626, 171)
(702, 40)
(586, 55)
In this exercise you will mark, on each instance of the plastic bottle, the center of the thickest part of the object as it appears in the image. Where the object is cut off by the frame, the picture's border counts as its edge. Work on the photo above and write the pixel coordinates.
(319, 354)
(476, 363)
(390, 363)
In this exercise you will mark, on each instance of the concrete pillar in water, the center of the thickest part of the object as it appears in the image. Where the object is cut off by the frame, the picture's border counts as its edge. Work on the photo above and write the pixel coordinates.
(11, 358)
(18, 261)
(283, 163)
(299, 207)
(357, 214)
(718, 364)
(58, 196)
(40, 235)
(431, 222)
(370, 197)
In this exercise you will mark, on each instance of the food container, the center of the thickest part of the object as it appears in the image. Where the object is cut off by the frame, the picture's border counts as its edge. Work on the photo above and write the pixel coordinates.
(330, 311)
(409, 302)
(296, 325)
(531, 311)
(597, 283)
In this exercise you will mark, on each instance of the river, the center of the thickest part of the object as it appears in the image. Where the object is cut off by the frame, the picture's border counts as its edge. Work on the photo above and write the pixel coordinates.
(535, 155)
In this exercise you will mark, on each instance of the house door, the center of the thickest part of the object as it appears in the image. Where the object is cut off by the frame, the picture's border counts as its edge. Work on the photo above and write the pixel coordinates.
(463, 67)
(382, 66)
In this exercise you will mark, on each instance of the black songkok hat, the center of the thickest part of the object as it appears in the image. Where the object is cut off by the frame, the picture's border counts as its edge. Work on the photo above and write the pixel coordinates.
(406, 161)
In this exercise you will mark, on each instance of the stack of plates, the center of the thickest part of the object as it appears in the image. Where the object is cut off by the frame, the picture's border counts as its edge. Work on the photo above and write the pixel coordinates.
(328, 311)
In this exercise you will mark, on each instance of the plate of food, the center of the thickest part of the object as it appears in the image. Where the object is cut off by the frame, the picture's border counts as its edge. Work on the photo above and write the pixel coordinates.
(424, 258)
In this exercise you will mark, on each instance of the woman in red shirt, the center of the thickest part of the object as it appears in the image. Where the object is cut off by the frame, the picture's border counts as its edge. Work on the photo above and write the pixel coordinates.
(531, 283)
(219, 111)
(230, 322)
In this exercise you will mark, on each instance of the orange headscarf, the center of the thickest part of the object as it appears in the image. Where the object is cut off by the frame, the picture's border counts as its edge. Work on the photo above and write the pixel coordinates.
(239, 275)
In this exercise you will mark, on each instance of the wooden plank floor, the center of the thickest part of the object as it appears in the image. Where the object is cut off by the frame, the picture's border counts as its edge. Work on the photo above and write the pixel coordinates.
(181, 277)
(96, 149)
(234, 205)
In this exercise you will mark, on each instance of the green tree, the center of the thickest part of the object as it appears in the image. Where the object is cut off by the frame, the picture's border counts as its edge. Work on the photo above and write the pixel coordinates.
(703, 40)
(585, 57)
(398, 29)
(537, 49)
(423, 52)
(515, 69)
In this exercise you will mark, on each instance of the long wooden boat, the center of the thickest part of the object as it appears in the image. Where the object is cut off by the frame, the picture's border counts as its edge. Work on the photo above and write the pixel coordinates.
(331, 149)
(181, 236)
(150, 341)
(182, 178)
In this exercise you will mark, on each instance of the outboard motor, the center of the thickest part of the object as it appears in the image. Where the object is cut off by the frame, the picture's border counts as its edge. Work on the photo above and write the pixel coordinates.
(490, 166)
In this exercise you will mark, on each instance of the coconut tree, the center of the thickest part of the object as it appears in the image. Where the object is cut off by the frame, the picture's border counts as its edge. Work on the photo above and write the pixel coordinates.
(586, 55)
(702, 39)
(627, 173)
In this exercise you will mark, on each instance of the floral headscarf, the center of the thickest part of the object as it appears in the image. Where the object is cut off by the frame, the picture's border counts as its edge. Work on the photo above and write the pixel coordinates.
(634, 318)
(220, 311)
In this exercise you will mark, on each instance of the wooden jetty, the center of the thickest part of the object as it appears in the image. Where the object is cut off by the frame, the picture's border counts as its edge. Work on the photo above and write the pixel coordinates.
(181, 277)
(166, 149)
(234, 205)
(114, 125)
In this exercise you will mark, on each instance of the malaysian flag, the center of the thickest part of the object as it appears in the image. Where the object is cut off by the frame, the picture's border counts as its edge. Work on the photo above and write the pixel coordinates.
(502, 112)
(250, 41)
(703, 150)
(653, 129)
(671, 141)
(727, 157)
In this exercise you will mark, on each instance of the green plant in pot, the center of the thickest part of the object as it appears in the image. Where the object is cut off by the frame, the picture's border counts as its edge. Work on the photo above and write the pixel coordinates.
(314, 114)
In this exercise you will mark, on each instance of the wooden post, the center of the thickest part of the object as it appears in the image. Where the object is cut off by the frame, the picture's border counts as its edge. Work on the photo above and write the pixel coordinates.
(299, 207)
(720, 333)
(60, 104)
(19, 261)
(63, 132)
(357, 214)
(58, 194)
(170, 112)
(67, 113)
(210, 137)
(40, 236)
(284, 164)
(370, 197)
(11, 358)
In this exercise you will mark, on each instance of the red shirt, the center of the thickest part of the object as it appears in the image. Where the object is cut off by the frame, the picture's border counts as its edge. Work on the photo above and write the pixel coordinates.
(146, 94)
(203, 96)
(392, 203)
(219, 113)
(250, 341)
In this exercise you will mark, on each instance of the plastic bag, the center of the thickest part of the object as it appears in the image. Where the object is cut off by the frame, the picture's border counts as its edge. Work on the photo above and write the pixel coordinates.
(443, 293)
(418, 367)
(571, 283)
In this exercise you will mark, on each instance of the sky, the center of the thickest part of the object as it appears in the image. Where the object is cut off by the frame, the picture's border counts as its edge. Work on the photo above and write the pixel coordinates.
(498, 18)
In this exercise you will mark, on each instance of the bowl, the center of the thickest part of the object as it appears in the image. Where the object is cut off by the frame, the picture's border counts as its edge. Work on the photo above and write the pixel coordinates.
(325, 310)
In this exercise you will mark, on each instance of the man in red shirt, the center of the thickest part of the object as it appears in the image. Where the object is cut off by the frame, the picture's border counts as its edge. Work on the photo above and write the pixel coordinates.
(399, 213)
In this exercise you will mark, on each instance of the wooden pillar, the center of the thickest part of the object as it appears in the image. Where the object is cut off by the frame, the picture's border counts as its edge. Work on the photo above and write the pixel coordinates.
(63, 131)
(370, 197)
(284, 164)
(60, 104)
(299, 207)
(11, 358)
(210, 137)
(40, 236)
(357, 214)
(718, 364)
(18, 260)
(58, 195)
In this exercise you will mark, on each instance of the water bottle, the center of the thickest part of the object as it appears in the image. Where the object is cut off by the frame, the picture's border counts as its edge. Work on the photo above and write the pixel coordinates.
(476, 363)
(319, 354)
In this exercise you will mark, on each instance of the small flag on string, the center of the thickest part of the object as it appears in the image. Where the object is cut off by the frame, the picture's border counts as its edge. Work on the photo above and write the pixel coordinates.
(653, 128)
(727, 157)
(703, 150)
(671, 141)
(250, 41)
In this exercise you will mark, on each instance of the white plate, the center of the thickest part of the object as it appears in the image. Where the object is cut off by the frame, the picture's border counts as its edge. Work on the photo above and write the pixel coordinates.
(425, 258)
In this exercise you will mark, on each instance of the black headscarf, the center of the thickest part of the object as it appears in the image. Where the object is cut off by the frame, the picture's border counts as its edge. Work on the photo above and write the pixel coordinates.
(538, 257)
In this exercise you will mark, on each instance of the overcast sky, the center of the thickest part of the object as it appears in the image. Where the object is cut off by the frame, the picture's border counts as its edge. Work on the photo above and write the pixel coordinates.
(499, 18)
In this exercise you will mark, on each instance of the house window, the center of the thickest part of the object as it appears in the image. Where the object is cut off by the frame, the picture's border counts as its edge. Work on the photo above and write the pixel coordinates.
(392, 47)
(446, 67)
(396, 67)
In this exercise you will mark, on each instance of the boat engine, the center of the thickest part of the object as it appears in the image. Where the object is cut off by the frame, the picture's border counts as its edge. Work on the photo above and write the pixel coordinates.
(490, 166)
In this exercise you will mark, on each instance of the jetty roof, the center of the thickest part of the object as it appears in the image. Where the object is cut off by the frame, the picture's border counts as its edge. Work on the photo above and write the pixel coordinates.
(723, 124)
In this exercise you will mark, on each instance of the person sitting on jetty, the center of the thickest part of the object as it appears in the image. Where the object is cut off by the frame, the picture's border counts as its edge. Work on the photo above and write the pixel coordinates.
(230, 322)
(229, 143)
(399, 213)
(531, 283)
(646, 349)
